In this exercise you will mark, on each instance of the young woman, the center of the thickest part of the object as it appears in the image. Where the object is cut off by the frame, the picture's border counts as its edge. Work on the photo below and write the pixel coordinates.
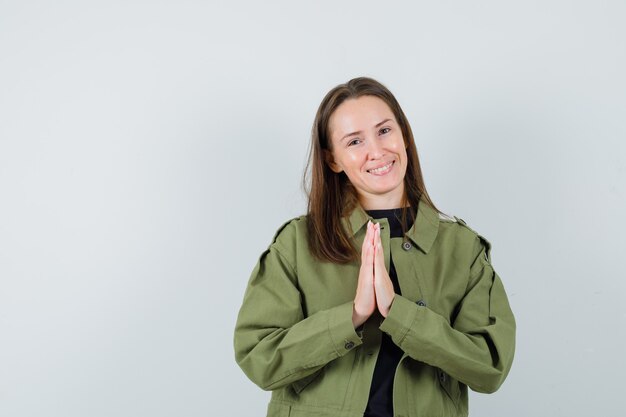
(374, 303)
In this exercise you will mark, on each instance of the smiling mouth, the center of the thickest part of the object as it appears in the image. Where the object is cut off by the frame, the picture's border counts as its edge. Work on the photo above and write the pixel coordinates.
(381, 170)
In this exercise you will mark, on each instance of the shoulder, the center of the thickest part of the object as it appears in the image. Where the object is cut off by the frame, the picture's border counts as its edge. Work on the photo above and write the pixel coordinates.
(290, 228)
(290, 233)
(465, 235)
(290, 238)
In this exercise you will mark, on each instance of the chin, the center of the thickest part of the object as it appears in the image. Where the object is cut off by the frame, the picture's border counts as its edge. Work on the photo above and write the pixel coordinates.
(385, 190)
(386, 187)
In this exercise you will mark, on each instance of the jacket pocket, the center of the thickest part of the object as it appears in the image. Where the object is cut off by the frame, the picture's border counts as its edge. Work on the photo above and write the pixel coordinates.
(450, 386)
(301, 384)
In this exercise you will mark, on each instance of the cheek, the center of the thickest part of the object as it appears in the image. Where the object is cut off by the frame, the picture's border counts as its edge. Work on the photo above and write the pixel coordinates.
(348, 160)
(351, 158)
(400, 149)
(354, 158)
(398, 143)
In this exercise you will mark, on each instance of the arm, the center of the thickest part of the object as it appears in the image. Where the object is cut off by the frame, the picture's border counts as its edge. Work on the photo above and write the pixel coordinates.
(478, 348)
(275, 345)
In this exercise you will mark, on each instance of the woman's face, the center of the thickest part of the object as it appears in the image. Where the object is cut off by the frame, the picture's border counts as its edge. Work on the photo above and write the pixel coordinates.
(368, 146)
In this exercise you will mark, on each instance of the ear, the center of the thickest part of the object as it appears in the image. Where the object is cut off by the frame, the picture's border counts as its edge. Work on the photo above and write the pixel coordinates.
(328, 157)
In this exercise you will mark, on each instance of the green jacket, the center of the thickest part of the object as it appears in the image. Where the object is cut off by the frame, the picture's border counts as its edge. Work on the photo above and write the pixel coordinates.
(294, 332)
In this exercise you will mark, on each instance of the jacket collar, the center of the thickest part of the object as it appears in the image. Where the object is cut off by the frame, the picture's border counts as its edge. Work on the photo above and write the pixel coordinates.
(422, 233)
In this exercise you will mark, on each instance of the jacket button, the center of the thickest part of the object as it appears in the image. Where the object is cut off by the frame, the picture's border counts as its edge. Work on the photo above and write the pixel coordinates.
(406, 245)
(349, 345)
(459, 220)
(421, 303)
(442, 376)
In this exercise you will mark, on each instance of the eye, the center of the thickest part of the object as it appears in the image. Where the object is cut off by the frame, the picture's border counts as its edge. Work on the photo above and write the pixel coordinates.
(352, 142)
(386, 129)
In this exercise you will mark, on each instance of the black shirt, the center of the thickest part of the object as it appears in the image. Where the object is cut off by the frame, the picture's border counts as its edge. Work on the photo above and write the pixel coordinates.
(380, 403)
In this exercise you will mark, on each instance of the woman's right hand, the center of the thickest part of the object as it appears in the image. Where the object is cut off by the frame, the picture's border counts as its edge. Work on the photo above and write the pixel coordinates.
(365, 299)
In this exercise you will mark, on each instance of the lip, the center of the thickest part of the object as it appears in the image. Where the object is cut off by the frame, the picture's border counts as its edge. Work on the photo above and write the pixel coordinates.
(392, 162)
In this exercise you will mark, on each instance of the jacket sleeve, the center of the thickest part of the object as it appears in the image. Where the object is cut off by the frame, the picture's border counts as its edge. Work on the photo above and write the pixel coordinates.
(478, 347)
(274, 343)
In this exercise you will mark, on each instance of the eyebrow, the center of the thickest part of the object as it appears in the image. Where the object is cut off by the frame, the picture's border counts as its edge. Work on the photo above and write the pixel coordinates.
(354, 133)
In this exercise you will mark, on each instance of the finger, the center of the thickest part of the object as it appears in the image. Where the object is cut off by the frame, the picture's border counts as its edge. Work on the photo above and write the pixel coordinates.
(371, 255)
(367, 238)
(373, 236)
(379, 260)
(374, 239)
(377, 242)
(367, 257)
(370, 232)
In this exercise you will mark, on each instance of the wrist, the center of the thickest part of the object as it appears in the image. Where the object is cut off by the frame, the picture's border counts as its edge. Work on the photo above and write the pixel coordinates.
(389, 306)
(357, 319)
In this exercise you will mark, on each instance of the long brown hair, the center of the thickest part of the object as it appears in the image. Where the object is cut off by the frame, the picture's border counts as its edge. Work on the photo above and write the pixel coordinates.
(331, 195)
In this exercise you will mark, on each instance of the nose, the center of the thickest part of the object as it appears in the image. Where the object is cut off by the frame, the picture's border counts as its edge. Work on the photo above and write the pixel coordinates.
(375, 149)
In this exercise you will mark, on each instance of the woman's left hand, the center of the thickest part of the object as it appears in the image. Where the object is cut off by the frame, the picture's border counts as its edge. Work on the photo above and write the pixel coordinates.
(382, 283)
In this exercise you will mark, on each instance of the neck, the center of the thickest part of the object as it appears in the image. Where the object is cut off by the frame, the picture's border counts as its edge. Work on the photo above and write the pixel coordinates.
(382, 202)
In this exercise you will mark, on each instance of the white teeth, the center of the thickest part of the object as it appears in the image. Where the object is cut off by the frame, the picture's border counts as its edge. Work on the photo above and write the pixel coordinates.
(381, 168)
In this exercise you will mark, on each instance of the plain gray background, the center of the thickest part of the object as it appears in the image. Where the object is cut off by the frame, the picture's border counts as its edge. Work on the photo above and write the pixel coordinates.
(149, 151)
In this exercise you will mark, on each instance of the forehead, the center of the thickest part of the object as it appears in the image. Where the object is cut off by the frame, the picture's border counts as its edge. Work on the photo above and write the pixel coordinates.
(358, 114)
